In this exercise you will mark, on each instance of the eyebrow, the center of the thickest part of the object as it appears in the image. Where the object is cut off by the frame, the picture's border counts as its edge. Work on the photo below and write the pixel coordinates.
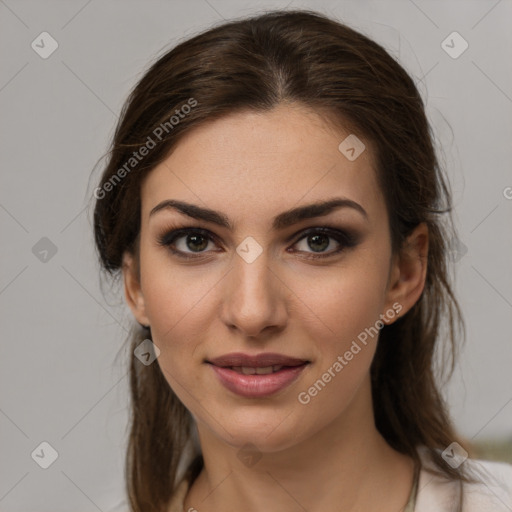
(281, 221)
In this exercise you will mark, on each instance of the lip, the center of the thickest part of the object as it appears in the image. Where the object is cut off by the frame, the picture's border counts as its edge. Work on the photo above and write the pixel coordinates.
(257, 385)
(259, 360)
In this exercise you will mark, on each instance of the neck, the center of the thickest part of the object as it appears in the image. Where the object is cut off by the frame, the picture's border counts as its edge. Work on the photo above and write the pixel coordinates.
(345, 466)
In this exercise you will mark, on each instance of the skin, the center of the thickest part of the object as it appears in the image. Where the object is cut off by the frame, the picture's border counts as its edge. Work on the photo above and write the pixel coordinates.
(324, 455)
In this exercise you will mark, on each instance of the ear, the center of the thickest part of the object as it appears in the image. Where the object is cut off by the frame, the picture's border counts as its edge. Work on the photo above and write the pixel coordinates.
(408, 273)
(132, 289)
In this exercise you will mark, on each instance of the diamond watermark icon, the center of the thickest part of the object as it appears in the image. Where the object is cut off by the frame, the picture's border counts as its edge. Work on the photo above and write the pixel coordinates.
(45, 455)
(249, 249)
(249, 455)
(456, 250)
(454, 45)
(351, 147)
(146, 352)
(455, 455)
(44, 45)
(44, 250)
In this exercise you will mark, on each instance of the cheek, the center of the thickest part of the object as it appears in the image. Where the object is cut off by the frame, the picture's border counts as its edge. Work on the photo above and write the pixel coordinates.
(174, 295)
(341, 302)
(347, 303)
(346, 337)
(177, 303)
(345, 343)
(178, 324)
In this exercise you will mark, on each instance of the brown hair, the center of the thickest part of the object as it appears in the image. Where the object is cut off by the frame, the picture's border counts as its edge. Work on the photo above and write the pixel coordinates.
(255, 64)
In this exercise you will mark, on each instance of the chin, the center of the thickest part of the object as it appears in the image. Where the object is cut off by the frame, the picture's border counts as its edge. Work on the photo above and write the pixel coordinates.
(267, 431)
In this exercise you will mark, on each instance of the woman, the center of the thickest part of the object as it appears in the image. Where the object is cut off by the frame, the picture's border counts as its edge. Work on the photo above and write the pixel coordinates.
(275, 207)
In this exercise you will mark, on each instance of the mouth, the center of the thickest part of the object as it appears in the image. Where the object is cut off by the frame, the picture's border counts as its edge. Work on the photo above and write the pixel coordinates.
(258, 370)
(264, 361)
(257, 376)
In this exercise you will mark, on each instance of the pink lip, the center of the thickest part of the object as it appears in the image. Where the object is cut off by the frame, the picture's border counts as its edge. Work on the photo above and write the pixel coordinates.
(256, 386)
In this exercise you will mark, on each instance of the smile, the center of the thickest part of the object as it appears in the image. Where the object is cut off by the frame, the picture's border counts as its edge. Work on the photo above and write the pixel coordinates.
(257, 376)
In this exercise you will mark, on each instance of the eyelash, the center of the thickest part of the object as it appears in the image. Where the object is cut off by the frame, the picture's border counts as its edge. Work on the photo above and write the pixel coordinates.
(346, 240)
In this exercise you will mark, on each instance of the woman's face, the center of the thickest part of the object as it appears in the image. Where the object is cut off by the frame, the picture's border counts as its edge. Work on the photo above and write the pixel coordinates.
(254, 286)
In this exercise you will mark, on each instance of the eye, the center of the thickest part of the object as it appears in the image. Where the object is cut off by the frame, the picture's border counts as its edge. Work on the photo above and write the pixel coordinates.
(180, 241)
(319, 240)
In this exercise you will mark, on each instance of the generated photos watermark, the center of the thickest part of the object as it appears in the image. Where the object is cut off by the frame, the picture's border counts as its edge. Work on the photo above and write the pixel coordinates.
(304, 397)
(151, 142)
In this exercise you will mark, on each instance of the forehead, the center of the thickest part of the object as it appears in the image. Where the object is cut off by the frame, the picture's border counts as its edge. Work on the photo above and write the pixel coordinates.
(265, 162)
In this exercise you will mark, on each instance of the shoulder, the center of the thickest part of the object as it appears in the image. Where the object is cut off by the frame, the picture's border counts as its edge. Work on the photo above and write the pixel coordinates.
(492, 492)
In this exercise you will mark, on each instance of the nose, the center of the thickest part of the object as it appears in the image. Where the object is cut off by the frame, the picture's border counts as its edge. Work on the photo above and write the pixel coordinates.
(254, 298)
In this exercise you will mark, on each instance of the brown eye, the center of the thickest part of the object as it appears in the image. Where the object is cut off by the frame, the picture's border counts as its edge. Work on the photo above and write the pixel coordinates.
(195, 242)
(318, 240)
(187, 243)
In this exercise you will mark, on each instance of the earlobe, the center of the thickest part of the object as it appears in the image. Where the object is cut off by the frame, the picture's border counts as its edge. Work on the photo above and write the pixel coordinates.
(409, 272)
(132, 289)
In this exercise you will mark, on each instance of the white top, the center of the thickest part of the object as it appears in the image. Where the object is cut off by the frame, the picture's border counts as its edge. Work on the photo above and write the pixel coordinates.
(434, 494)
(493, 494)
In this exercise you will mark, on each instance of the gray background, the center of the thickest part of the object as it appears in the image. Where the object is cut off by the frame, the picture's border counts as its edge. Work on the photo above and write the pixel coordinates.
(60, 380)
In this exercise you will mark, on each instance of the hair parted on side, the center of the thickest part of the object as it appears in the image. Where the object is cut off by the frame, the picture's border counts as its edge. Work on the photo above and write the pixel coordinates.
(256, 63)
